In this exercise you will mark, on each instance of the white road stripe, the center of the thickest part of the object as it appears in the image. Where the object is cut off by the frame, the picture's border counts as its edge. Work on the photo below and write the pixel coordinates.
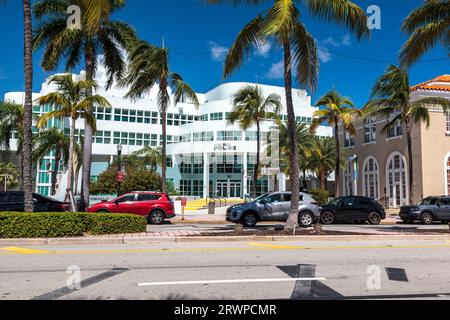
(179, 283)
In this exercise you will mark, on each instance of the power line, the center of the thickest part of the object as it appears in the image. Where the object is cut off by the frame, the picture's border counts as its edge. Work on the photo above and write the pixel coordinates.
(348, 56)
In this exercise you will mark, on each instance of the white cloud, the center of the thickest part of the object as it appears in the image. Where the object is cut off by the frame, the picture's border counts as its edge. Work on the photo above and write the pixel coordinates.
(323, 47)
(263, 49)
(218, 52)
(276, 71)
(324, 54)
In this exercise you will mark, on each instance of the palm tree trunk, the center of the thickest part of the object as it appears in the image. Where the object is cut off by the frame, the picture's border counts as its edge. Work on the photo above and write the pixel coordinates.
(294, 170)
(55, 170)
(28, 107)
(21, 172)
(410, 162)
(88, 133)
(70, 161)
(323, 180)
(164, 142)
(338, 160)
(258, 159)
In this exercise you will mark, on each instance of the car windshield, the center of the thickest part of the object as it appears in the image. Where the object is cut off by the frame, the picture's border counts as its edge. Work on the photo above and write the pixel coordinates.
(428, 202)
(337, 201)
(259, 199)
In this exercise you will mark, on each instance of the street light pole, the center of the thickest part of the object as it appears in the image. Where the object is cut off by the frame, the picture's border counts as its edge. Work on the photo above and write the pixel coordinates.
(119, 167)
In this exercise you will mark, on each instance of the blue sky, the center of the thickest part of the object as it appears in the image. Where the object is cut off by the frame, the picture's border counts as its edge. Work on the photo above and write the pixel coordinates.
(198, 34)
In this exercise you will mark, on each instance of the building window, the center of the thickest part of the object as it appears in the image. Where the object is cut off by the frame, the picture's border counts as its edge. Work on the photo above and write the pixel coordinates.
(395, 130)
(371, 179)
(229, 164)
(397, 185)
(198, 164)
(185, 187)
(447, 117)
(253, 135)
(203, 136)
(229, 136)
(349, 140)
(103, 113)
(197, 188)
(218, 116)
(103, 137)
(186, 138)
(370, 130)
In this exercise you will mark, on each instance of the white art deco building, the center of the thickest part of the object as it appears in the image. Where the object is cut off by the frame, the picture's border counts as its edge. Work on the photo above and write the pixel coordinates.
(206, 156)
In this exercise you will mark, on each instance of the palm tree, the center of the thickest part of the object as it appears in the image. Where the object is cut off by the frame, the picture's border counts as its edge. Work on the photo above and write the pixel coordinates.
(71, 100)
(305, 142)
(12, 120)
(151, 157)
(28, 108)
(391, 96)
(282, 23)
(48, 141)
(323, 158)
(338, 110)
(98, 35)
(9, 176)
(149, 66)
(427, 26)
(250, 108)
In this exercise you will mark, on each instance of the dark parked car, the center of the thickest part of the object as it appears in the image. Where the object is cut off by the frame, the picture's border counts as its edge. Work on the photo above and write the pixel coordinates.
(15, 202)
(353, 209)
(274, 207)
(155, 206)
(427, 211)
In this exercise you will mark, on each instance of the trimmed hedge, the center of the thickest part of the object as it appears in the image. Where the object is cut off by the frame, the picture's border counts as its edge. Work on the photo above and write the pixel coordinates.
(321, 196)
(59, 225)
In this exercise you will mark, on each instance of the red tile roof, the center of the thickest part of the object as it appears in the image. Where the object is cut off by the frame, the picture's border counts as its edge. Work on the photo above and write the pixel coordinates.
(441, 83)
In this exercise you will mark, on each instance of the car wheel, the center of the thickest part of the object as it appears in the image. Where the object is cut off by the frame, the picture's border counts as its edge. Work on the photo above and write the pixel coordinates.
(305, 220)
(102, 211)
(427, 218)
(156, 217)
(375, 218)
(249, 220)
(327, 218)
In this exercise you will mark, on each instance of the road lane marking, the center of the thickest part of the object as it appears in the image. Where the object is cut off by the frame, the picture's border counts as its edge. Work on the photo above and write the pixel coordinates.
(24, 250)
(287, 247)
(250, 247)
(178, 283)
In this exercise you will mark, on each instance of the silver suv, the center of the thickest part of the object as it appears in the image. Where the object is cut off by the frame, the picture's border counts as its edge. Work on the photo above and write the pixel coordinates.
(274, 207)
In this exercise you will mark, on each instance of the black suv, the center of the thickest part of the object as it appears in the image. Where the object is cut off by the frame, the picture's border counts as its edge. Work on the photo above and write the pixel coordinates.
(357, 209)
(427, 211)
(15, 202)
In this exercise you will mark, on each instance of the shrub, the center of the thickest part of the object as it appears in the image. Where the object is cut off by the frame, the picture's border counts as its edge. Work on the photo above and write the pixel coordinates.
(55, 225)
(320, 195)
(40, 225)
(104, 223)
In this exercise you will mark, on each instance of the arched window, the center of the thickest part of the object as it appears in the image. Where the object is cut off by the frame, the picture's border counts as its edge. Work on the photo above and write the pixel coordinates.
(396, 180)
(371, 176)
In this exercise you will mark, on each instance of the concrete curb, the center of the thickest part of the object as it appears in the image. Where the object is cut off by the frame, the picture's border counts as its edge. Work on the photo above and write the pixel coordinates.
(209, 239)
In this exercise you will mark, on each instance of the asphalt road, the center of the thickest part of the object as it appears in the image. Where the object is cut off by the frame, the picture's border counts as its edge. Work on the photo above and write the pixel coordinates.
(357, 228)
(328, 270)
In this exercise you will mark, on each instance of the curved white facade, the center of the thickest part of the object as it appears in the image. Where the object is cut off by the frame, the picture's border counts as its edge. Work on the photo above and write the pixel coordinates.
(199, 138)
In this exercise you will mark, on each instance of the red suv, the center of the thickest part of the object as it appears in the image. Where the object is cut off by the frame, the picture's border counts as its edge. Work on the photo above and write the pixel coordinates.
(155, 206)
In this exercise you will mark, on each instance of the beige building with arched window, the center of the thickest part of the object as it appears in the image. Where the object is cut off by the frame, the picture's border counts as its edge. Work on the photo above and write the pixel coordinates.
(378, 159)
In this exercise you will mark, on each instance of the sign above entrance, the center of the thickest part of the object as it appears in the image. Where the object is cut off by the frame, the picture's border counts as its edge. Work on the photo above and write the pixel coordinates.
(225, 147)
